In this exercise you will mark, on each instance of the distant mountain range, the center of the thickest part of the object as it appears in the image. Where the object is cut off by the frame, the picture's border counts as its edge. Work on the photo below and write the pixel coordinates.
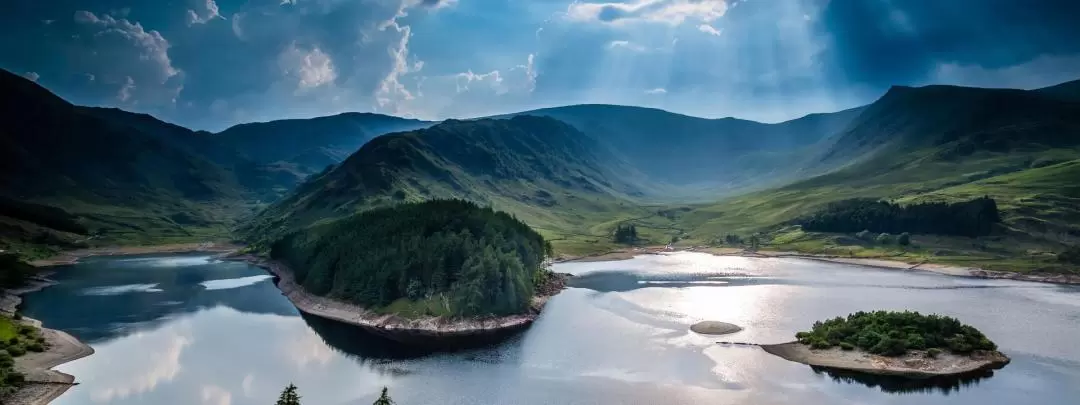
(572, 171)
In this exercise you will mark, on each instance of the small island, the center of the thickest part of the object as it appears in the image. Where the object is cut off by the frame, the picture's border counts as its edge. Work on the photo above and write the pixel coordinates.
(904, 344)
(424, 273)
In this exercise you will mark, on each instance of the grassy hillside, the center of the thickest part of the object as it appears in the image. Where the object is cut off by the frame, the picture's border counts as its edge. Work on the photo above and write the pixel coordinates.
(541, 170)
(718, 156)
(1026, 158)
(64, 164)
(306, 146)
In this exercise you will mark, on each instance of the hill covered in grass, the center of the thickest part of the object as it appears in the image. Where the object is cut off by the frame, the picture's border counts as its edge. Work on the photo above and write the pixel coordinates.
(307, 146)
(436, 258)
(933, 144)
(719, 156)
(542, 170)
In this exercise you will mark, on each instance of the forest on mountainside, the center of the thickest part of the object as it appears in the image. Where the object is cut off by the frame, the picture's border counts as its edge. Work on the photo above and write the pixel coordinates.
(451, 257)
(967, 218)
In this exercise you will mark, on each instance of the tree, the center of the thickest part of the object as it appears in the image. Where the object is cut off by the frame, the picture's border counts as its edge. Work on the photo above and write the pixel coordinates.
(755, 242)
(289, 396)
(904, 239)
(884, 239)
(384, 398)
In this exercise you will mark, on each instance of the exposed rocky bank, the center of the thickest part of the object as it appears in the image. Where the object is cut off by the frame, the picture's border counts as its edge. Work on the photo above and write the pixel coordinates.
(430, 331)
(914, 364)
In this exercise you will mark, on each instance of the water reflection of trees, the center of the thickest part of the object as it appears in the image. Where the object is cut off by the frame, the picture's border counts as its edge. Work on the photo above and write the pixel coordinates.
(366, 347)
(901, 385)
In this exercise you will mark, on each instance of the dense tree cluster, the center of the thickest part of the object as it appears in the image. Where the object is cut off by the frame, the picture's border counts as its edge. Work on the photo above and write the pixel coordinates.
(968, 218)
(1070, 255)
(472, 261)
(893, 333)
(626, 234)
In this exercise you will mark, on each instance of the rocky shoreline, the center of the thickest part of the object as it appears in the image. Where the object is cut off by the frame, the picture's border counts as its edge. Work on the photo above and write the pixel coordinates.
(915, 364)
(42, 383)
(432, 331)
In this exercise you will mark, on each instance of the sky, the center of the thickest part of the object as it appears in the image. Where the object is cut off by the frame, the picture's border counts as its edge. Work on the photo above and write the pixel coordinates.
(210, 64)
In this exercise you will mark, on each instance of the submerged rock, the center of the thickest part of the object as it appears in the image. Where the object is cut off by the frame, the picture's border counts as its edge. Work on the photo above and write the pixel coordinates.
(714, 328)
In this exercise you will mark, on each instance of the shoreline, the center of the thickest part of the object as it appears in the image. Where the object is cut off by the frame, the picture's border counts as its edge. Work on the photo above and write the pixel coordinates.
(391, 326)
(912, 365)
(880, 263)
(73, 256)
(43, 384)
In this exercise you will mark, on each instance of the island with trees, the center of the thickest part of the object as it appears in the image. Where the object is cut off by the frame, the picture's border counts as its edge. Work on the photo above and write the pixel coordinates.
(904, 344)
(419, 272)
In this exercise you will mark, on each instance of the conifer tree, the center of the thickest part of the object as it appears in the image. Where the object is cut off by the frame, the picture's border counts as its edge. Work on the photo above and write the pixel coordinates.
(384, 399)
(289, 396)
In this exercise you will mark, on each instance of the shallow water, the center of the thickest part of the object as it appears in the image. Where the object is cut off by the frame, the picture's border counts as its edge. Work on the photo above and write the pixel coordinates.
(190, 330)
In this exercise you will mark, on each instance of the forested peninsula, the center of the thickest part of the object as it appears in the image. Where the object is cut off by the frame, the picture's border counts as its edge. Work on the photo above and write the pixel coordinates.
(438, 267)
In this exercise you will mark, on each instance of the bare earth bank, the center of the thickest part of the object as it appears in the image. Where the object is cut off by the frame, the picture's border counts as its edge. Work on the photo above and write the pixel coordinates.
(915, 364)
(430, 331)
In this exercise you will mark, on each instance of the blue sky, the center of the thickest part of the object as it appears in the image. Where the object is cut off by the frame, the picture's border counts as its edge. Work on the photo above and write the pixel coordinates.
(209, 64)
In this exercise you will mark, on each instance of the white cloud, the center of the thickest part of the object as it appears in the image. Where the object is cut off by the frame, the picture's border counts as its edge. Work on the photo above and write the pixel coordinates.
(658, 90)
(124, 94)
(530, 72)
(492, 78)
(32, 76)
(708, 29)
(626, 45)
(214, 395)
(309, 67)
(1045, 70)
(672, 12)
(209, 11)
(151, 45)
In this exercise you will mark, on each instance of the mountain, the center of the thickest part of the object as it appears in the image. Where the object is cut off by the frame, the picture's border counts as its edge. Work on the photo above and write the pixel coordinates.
(933, 144)
(1068, 91)
(265, 181)
(544, 171)
(956, 121)
(309, 145)
(65, 164)
(727, 153)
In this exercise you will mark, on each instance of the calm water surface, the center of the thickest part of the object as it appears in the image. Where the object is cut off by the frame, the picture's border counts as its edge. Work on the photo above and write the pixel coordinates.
(182, 330)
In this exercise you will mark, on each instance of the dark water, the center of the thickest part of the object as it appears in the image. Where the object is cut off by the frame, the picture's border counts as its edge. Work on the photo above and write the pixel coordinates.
(184, 330)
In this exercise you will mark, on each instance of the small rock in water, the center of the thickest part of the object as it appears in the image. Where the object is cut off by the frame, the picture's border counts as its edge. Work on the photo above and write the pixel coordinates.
(714, 328)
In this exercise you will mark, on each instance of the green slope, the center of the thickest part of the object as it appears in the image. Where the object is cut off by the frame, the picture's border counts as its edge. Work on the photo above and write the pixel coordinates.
(935, 143)
(116, 182)
(713, 156)
(543, 171)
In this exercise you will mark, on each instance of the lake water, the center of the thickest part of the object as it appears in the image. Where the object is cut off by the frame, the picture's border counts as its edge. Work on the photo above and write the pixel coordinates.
(182, 330)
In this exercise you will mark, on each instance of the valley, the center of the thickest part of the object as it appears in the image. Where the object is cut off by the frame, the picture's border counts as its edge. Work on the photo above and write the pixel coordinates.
(86, 177)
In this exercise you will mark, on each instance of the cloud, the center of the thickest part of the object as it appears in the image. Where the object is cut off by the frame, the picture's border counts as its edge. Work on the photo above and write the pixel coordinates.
(622, 44)
(708, 29)
(1046, 70)
(672, 12)
(124, 94)
(310, 68)
(126, 55)
(209, 11)
(658, 90)
(492, 78)
(32, 76)
(214, 395)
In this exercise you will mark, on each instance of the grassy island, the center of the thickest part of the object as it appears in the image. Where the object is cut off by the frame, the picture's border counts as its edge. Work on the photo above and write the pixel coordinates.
(890, 333)
(436, 258)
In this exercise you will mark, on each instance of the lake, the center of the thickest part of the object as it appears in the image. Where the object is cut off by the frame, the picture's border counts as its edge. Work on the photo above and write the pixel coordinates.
(188, 329)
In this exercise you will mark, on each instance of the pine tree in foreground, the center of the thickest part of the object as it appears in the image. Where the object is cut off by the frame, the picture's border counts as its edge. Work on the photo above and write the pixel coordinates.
(384, 399)
(290, 397)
